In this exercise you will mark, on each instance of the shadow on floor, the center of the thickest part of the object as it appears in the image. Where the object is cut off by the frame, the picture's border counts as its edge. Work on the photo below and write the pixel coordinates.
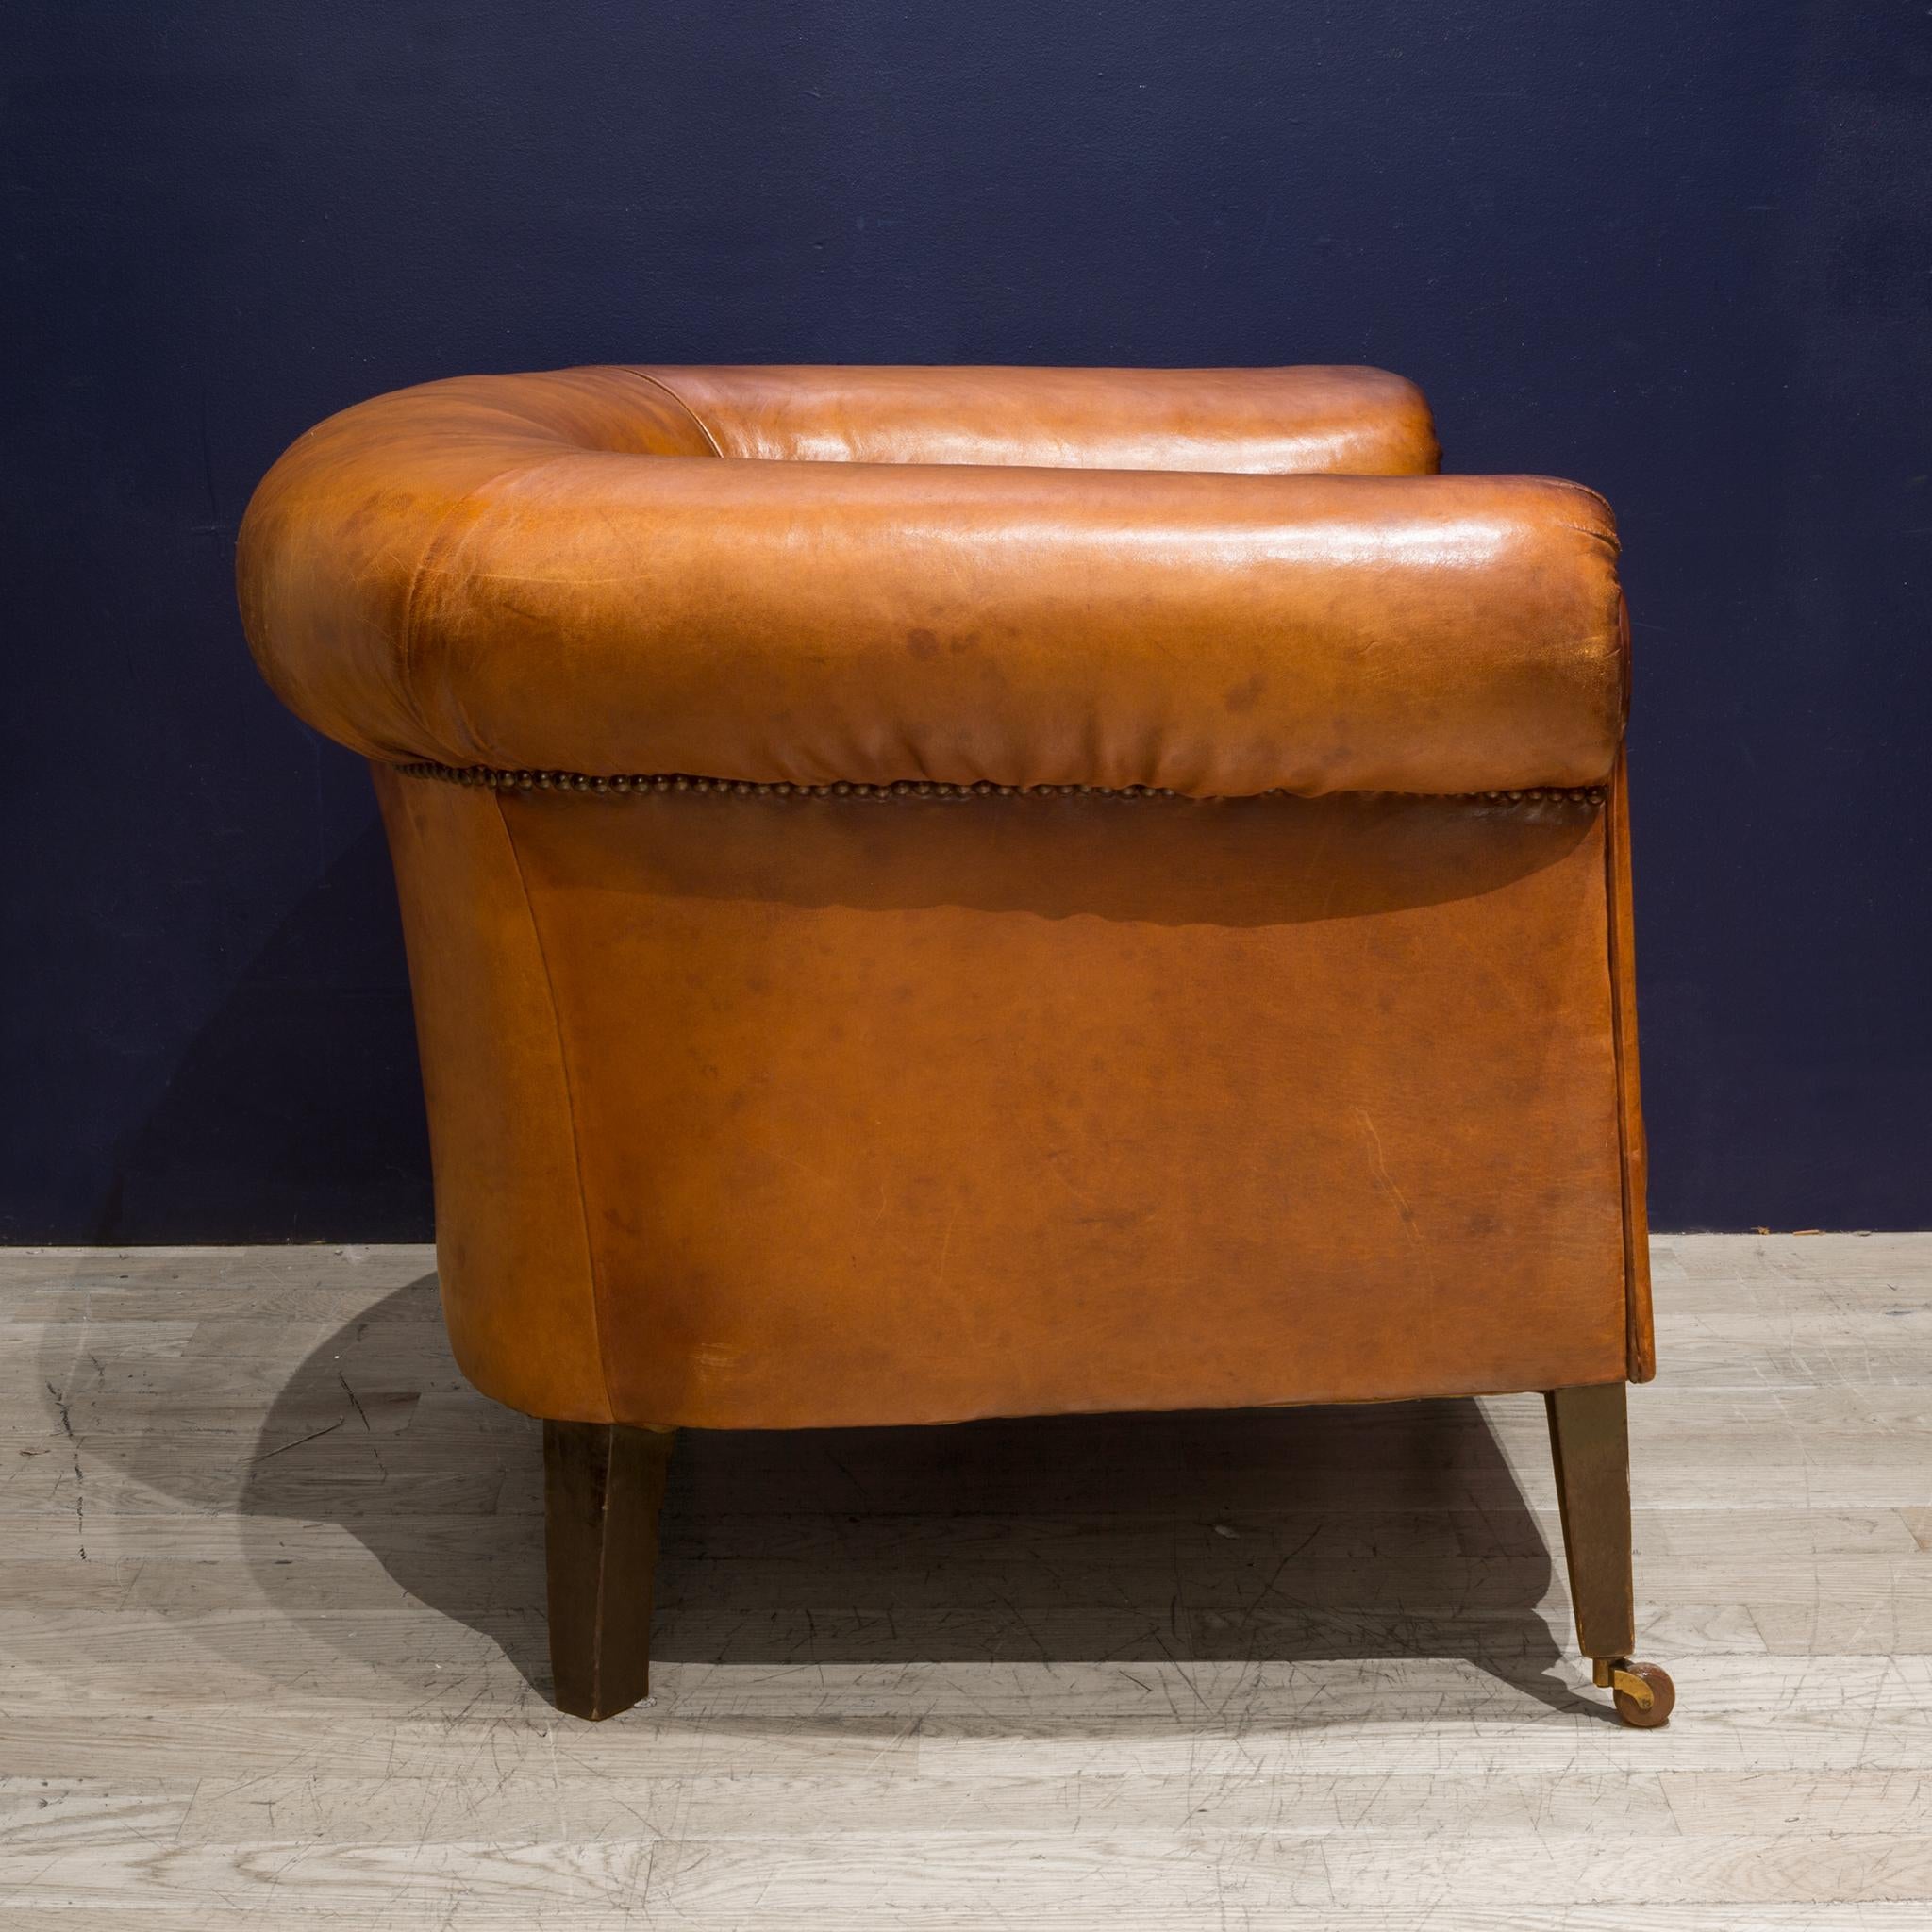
(1393, 1531)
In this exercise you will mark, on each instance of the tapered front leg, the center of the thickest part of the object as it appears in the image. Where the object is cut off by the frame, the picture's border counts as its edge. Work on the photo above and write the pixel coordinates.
(1590, 1443)
(603, 1488)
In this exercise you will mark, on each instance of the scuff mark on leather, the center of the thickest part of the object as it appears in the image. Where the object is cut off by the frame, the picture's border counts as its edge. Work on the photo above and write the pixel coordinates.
(1387, 1180)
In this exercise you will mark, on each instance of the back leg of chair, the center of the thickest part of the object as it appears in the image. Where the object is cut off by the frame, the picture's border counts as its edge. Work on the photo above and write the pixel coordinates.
(603, 1490)
(1589, 1442)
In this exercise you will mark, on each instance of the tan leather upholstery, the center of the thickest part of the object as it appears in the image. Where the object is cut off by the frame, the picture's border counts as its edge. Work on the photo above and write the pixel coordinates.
(1284, 422)
(485, 574)
(754, 1108)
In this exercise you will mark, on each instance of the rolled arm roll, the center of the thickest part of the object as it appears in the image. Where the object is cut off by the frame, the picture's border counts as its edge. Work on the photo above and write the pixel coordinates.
(1294, 420)
(502, 600)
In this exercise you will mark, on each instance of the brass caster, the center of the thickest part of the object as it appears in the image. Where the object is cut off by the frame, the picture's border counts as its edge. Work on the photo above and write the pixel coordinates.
(1644, 1693)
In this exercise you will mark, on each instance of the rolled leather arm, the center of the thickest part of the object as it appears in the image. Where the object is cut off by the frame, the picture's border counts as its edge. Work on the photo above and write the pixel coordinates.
(482, 597)
(1290, 421)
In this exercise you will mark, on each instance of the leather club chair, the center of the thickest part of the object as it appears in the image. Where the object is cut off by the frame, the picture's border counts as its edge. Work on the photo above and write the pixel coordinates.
(949, 892)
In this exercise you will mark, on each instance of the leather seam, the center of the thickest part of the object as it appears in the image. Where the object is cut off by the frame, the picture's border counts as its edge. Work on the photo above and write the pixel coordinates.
(639, 784)
(570, 1101)
(1620, 1058)
(704, 429)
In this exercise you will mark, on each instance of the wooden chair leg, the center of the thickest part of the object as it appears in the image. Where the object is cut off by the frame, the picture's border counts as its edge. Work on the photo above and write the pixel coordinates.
(1589, 1442)
(603, 1487)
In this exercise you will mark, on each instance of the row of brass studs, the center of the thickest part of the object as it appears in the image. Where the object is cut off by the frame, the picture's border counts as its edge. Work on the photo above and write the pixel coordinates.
(906, 788)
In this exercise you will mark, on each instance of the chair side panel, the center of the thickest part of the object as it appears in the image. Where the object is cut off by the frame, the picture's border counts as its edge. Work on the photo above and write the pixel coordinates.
(918, 1111)
(511, 1246)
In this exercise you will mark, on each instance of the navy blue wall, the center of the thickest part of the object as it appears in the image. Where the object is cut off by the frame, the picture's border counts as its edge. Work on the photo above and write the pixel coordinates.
(1679, 252)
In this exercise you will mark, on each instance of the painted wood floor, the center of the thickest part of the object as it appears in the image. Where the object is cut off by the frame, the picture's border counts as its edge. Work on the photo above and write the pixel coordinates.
(272, 1649)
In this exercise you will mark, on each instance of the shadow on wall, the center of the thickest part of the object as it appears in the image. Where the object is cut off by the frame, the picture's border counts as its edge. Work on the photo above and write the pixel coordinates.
(297, 1110)
(1371, 1532)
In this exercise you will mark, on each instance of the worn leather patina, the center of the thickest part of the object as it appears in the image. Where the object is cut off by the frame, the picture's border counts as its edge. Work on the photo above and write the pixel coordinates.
(759, 1100)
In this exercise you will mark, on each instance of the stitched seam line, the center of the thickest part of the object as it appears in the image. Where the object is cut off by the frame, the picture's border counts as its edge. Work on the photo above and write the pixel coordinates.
(622, 785)
(704, 429)
(570, 1101)
(1620, 1058)
(1623, 1110)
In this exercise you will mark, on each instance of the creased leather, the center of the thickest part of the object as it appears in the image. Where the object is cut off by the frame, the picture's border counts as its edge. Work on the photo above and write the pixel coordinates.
(512, 1233)
(921, 1112)
(1292, 421)
(764, 1111)
(554, 572)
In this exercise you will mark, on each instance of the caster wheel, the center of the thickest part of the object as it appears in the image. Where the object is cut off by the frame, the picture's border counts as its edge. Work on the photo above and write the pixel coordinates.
(1663, 1694)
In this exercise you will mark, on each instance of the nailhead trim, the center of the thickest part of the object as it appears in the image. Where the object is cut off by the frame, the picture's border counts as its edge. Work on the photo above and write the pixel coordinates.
(493, 780)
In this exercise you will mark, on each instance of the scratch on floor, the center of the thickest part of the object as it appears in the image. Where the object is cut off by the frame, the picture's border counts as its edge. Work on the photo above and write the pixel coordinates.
(79, 1474)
